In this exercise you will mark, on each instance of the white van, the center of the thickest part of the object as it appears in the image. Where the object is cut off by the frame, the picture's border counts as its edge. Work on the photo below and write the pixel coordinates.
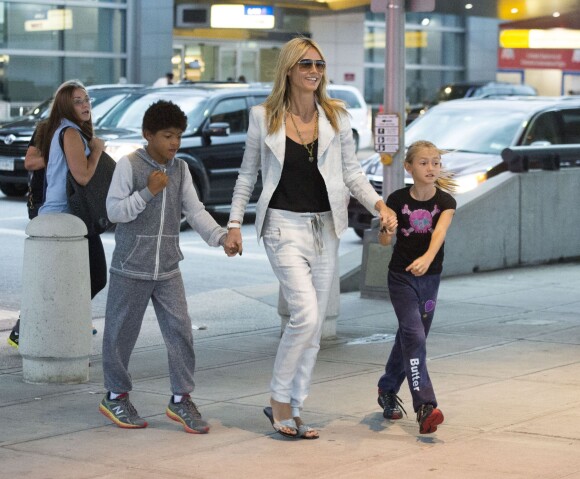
(360, 113)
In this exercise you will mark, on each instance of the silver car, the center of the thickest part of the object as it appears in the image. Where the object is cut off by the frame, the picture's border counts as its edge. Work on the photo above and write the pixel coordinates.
(475, 132)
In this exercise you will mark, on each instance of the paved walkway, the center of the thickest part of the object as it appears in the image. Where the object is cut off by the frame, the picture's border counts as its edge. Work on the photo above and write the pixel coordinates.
(504, 358)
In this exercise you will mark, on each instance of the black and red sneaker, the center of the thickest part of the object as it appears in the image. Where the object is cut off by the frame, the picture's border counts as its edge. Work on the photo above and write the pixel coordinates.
(429, 417)
(392, 405)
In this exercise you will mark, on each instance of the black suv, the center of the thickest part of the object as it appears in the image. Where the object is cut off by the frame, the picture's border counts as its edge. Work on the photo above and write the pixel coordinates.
(214, 142)
(15, 136)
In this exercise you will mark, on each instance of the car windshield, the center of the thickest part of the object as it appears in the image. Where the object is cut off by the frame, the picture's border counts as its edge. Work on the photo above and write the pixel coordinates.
(128, 114)
(482, 131)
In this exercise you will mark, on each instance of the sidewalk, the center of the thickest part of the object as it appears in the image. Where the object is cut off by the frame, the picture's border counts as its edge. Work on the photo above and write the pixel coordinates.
(504, 355)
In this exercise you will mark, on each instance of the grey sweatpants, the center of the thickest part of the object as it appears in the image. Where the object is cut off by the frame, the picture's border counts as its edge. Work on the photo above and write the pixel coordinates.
(126, 304)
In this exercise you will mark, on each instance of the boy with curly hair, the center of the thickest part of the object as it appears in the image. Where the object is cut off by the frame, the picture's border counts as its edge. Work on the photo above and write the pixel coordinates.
(149, 192)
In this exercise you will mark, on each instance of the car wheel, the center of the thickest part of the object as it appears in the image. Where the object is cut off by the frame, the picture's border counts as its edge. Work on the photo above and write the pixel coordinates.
(355, 137)
(359, 232)
(184, 225)
(13, 189)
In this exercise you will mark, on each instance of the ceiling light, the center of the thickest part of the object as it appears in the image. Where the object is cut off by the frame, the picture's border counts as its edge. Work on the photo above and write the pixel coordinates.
(556, 14)
(468, 6)
(514, 10)
(425, 22)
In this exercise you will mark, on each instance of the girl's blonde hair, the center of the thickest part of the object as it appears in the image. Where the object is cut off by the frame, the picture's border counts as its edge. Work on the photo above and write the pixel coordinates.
(278, 102)
(445, 181)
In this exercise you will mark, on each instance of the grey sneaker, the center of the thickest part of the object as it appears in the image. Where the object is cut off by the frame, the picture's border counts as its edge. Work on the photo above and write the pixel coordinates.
(187, 414)
(122, 412)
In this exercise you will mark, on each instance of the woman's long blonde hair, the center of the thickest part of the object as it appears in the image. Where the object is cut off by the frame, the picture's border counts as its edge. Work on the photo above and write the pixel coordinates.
(445, 181)
(278, 102)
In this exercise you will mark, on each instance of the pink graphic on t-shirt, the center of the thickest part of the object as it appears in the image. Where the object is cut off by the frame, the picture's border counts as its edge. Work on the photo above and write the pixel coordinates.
(421, 221)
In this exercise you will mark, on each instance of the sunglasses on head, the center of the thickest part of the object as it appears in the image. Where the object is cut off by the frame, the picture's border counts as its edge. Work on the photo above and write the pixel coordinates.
(305, 65)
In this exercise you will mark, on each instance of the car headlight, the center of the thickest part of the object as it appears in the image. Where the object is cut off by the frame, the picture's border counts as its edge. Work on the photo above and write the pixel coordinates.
(118, 150)
(469, 182)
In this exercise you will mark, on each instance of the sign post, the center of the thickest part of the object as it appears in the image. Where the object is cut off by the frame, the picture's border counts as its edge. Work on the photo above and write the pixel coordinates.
(389, 136)
(390, 126)
(389, 133)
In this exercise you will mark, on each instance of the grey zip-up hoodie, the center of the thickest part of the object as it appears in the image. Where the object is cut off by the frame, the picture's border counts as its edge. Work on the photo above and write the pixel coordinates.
(147, 231)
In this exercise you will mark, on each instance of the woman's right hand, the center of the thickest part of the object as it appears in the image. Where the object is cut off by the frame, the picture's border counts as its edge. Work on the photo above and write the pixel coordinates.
(233, 242)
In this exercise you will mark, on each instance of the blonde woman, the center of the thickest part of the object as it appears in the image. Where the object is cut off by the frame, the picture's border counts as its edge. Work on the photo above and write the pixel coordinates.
(302, 142)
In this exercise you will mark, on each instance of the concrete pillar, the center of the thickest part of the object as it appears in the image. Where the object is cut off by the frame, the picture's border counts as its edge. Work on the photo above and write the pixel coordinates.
(375, 263)
(329, 325)
(55, 329)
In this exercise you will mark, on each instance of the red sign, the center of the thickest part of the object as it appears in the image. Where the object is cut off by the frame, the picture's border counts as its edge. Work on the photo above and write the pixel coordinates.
(538, 58)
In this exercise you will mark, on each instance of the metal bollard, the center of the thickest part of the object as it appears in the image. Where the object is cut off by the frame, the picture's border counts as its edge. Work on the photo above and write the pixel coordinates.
(55, 316)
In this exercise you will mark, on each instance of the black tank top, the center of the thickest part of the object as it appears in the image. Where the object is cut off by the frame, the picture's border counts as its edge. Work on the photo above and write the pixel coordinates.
(301, 188)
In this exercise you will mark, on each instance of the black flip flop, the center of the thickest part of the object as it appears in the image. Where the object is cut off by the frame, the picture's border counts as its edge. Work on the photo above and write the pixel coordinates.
(288, 423)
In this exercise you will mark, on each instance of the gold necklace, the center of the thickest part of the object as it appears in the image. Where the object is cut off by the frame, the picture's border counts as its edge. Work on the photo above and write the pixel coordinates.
(309, 149)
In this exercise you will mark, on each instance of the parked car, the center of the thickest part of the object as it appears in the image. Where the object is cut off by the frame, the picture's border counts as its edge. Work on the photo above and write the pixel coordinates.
(15, 135)
(456, 91)
(360, 113)
(474, 132)
(213, 144)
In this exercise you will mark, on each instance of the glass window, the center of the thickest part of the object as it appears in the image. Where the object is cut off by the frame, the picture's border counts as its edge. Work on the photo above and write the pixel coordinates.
(233, 111)
(374, 41)
(201, 62)
(439, 48)
(20, 81)
(434, 55)
(544, 128)
(571, 123)
(434, 20)
(348, 97)
(53, 27)
(128, 114)
(374, 85)
(423, 85)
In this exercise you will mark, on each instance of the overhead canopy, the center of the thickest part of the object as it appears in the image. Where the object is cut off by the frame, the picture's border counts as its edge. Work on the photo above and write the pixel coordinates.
(565, 20)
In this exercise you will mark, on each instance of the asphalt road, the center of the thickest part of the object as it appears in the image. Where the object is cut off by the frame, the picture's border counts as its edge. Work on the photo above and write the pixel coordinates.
(204, 269)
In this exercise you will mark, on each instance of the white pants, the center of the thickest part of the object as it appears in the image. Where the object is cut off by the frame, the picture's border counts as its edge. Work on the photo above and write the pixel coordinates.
(302, 249)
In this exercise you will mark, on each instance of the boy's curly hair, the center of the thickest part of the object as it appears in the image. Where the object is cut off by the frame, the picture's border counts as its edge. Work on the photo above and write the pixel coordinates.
(162, 115)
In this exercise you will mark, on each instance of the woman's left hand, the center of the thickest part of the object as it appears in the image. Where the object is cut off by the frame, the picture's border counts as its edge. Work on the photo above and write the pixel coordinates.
(388, 219)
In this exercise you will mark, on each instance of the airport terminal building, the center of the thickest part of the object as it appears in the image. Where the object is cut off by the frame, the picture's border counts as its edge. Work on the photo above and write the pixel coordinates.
(45, 42)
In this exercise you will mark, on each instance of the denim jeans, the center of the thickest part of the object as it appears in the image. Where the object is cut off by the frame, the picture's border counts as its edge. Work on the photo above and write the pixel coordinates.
(413, 299)
(302, 249)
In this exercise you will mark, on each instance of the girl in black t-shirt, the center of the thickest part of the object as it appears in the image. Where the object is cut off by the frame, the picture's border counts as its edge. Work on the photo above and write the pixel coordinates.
(424, 213)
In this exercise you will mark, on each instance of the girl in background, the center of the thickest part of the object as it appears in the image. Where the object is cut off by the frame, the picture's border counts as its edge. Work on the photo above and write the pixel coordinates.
(80, 153)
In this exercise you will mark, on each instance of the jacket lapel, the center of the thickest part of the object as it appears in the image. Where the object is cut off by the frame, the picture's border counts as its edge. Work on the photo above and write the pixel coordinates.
(325, 133)
(277, 143)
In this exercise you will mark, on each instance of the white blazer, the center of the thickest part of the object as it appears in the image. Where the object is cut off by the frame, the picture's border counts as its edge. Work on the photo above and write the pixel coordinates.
(337, 163)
